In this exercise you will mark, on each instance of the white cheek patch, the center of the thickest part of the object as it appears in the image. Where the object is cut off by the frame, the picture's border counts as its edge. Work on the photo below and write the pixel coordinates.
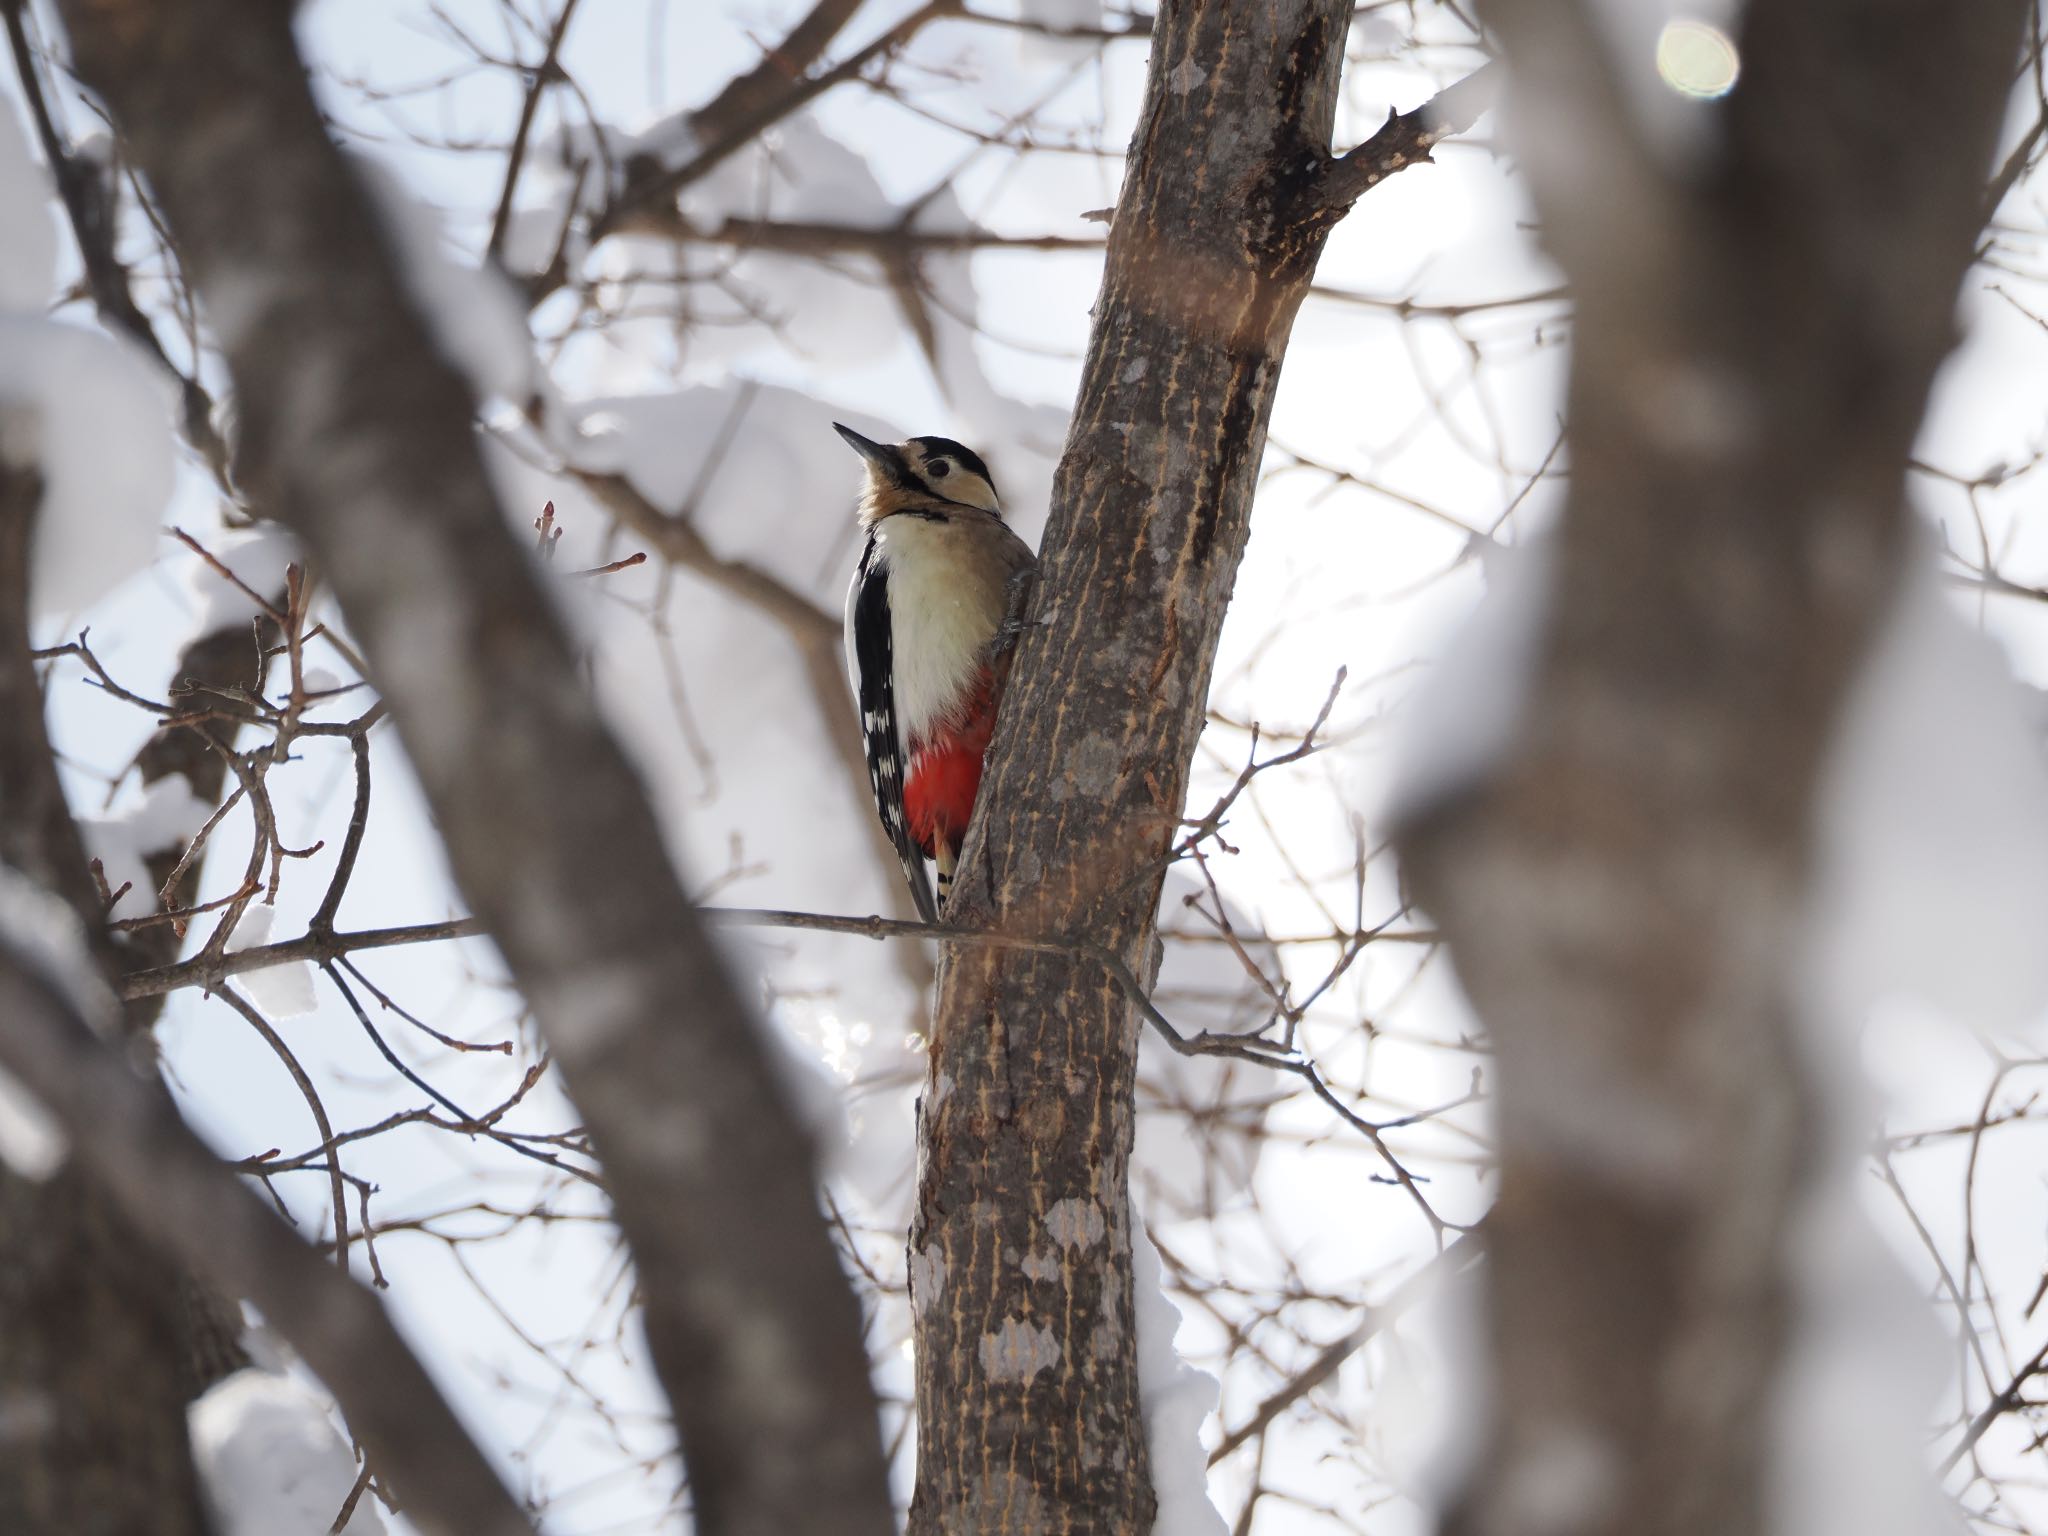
(958, 484)
(970, 490)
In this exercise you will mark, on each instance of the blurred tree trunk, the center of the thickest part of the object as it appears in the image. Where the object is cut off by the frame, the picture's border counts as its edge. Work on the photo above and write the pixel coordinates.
(355, 425)
(1623, 890)
(1020, 1251)
(95, 1351)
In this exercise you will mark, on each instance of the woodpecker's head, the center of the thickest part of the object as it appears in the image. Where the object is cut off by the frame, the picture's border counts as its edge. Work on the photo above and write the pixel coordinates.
(918, 469)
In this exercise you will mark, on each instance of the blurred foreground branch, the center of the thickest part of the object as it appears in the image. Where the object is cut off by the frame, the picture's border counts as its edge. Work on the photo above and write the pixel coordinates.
(1622, 884)
(93, 1364)
(172, 1186)
(355, 423)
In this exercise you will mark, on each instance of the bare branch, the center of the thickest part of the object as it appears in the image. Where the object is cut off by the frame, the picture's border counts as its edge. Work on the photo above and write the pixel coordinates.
(545, 74)
(1407, 138)
(175, 1189)
(654, 1041)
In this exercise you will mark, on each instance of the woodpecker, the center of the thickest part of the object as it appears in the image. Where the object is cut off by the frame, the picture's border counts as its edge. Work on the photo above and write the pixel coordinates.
(930, 618)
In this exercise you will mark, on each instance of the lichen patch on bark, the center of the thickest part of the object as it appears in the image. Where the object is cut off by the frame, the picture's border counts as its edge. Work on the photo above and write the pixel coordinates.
(1018, 1351)
(1075, 1223)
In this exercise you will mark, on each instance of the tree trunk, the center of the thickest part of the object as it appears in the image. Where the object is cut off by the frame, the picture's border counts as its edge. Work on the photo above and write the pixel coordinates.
(1623, 890)
(94, 1349)
(357, 428)
(1020, 1251)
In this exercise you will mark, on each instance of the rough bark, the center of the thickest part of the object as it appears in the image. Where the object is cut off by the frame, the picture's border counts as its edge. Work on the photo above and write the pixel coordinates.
(359, 432)
(1027, 1398)
(1622, 891)
(93, 1349)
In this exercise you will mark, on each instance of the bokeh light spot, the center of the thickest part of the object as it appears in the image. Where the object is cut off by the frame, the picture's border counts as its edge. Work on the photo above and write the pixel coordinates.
(1697, 59)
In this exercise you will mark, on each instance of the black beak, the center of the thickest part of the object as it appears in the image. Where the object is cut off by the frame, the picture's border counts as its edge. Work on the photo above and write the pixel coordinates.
(875, 453)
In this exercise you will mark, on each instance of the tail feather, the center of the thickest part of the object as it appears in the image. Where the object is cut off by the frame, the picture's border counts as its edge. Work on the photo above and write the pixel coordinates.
(920, 887)
(947, 857)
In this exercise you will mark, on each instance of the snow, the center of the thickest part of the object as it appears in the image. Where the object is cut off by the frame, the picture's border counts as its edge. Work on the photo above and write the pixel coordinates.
(836, 315)
(44, 934)
(475, 315)
(258, 557)
(1933, 836)
(531, 235)
(1046, 50)
(271, 1462)
(1176, 1399)
(1862, 1368)
(281, 991)
(1029, 436)
(30, 1141)
(1931, 877)
(800, 172)
(28, 256)
(83, 409)
(1201, 1119)
(769, 480)
(543, 217)
(1436, 1384)
(94, 418)
(166, 815)
(669, 141)
(1062, 14)
(1467, 716)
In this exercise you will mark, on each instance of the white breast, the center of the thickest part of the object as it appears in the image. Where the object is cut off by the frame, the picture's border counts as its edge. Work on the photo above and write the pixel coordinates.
(947, 591)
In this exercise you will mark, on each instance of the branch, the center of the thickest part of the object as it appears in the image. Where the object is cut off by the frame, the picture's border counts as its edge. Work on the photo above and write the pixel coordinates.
(757, 89)
(798, 237)
(732, 122)
(1755, 332)
(1453, 1261)
(2002, 1402)
(1132, 27)
(321, 948)
(1406, 138)
(89, 205)
(173, 1187)
(815, 633)
(66, 1250)
(1033, 1058)
(1251, 1047)
(546, 73)
(355, 422)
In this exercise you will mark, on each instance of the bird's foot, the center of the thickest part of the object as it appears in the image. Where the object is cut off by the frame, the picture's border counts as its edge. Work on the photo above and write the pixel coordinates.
(1016, 599)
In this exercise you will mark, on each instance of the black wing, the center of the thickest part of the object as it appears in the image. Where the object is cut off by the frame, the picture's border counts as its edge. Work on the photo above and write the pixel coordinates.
(869, 641)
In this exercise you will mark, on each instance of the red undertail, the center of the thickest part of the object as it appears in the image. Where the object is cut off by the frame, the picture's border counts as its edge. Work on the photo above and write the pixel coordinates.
(945, 773)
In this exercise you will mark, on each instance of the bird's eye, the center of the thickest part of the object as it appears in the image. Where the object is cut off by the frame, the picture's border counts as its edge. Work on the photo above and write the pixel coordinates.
(938, 469)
